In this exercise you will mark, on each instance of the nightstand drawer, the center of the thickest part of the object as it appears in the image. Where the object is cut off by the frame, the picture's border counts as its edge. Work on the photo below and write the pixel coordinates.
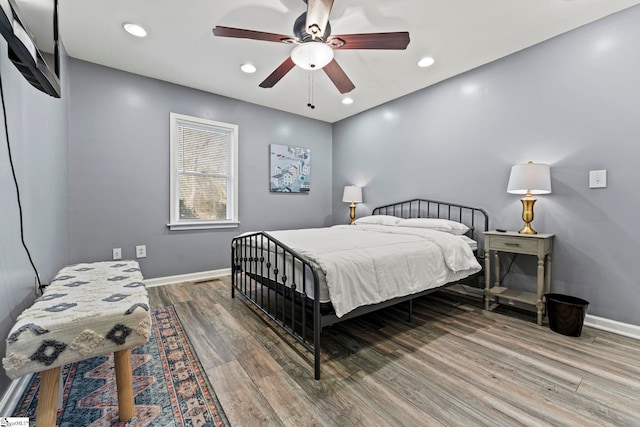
(510, 244)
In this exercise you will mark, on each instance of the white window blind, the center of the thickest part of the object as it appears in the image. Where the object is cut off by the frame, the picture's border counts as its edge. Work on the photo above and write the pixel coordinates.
(204, 173)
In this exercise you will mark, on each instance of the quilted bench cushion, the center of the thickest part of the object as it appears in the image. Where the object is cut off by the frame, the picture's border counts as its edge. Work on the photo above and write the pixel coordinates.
(88, 310)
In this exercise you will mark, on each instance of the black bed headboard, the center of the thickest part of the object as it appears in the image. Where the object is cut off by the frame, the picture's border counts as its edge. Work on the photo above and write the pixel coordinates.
(475, 218)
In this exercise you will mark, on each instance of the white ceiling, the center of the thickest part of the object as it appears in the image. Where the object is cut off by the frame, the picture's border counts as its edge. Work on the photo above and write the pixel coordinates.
(181, 48)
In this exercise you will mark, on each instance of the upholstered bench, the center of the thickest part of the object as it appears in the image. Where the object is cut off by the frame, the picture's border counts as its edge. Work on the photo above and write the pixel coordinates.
(88, 310)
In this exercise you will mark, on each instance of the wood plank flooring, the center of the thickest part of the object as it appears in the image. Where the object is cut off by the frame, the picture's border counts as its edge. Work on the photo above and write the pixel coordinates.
(454, 364)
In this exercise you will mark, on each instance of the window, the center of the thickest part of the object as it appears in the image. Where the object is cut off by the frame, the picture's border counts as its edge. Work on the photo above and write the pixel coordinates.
(204, 173)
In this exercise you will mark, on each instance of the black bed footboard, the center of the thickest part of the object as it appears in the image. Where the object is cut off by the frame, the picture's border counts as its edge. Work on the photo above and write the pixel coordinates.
(282, 284)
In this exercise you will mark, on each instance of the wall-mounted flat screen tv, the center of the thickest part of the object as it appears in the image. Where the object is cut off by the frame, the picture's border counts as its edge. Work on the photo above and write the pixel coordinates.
(31, 31)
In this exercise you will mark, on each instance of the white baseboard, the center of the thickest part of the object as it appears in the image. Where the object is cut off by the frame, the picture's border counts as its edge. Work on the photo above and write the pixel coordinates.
(624, 329)
(190, 277)
(13, 394)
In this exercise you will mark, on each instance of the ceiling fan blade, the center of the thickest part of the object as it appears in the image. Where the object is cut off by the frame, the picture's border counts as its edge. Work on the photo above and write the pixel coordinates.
(398, 40)
(250, 34)
(338, 77)
(317, 16)
(278, 73)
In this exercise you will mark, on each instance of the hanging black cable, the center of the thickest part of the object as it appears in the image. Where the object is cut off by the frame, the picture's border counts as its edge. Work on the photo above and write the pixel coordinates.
(15, 181)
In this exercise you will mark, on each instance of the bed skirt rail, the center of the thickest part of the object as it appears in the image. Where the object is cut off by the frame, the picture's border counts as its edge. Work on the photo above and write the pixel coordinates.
(278, 281)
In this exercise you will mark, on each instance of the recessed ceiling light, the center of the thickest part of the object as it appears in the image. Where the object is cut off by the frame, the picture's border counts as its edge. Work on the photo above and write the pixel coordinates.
(347, 101)
(248, 68)
(134, 29)
(426, 62)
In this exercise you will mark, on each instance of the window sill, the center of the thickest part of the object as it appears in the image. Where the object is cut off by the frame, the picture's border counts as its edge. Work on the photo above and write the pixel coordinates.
(202, 225)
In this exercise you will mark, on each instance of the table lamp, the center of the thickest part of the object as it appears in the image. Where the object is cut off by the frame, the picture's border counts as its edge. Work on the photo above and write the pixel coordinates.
(352, 194)
(532, 178)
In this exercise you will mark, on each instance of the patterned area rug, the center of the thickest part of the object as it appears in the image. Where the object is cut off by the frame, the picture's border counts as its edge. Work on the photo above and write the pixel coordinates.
(169, 385)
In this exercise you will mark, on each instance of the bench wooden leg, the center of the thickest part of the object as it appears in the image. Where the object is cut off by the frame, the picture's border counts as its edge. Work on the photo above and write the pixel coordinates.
(124, 383)
(48, 398)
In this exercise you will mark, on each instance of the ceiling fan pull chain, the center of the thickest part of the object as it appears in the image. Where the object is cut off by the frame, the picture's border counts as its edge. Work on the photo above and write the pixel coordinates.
(310, 103)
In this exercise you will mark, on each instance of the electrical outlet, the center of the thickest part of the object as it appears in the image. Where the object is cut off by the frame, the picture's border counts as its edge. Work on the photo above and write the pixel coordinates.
(117, 253)
(141, 251)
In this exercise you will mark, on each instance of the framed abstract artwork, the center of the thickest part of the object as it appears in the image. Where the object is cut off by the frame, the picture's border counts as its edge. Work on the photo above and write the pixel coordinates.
(289, 169)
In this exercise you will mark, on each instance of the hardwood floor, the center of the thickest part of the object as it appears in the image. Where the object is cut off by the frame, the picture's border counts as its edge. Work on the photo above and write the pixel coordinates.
(453, 365)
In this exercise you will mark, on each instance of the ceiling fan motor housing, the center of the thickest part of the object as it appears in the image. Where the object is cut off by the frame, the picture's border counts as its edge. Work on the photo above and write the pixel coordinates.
(299, 29)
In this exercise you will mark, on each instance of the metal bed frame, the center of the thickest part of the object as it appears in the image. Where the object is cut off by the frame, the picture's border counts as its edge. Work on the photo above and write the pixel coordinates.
(263, 271)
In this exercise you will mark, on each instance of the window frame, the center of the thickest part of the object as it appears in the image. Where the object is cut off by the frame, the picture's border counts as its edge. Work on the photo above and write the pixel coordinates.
(175, 223)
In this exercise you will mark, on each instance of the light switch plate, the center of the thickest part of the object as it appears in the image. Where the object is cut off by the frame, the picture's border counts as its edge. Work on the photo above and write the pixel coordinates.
(598, 179)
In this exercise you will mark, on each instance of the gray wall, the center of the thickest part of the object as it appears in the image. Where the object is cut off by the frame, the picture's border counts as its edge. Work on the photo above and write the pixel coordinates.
(119, 170)
(572, 102)
(37, 125)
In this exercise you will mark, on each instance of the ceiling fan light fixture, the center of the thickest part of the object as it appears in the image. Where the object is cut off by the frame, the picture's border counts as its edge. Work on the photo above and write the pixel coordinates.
(312, 55)
(134, 29)
(248, 68)
(347, 101)
(425, 62)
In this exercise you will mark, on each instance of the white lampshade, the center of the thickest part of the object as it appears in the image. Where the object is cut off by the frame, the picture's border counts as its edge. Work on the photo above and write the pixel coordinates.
(533, 177)
(312, 55)
(352, 193)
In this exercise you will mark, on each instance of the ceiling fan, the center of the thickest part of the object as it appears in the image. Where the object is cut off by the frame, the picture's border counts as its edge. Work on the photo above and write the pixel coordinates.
(315, 44)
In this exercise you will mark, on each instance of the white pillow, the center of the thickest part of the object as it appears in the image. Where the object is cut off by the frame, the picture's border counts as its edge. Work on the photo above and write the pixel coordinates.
(439, 224)
(472, 243)
(379, 220)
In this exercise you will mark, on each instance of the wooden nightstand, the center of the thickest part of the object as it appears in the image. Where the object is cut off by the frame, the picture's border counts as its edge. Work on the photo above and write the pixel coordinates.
(539, 244)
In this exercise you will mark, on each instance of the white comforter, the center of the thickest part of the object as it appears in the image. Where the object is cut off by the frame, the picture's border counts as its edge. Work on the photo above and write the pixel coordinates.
(369, 264)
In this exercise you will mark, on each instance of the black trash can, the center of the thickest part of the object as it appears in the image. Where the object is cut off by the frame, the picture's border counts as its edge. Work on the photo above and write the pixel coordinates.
(566, 314)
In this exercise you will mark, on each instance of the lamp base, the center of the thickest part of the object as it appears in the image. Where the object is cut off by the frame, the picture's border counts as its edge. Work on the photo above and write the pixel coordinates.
(527, 229)
(527, 215)
(352, 213)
